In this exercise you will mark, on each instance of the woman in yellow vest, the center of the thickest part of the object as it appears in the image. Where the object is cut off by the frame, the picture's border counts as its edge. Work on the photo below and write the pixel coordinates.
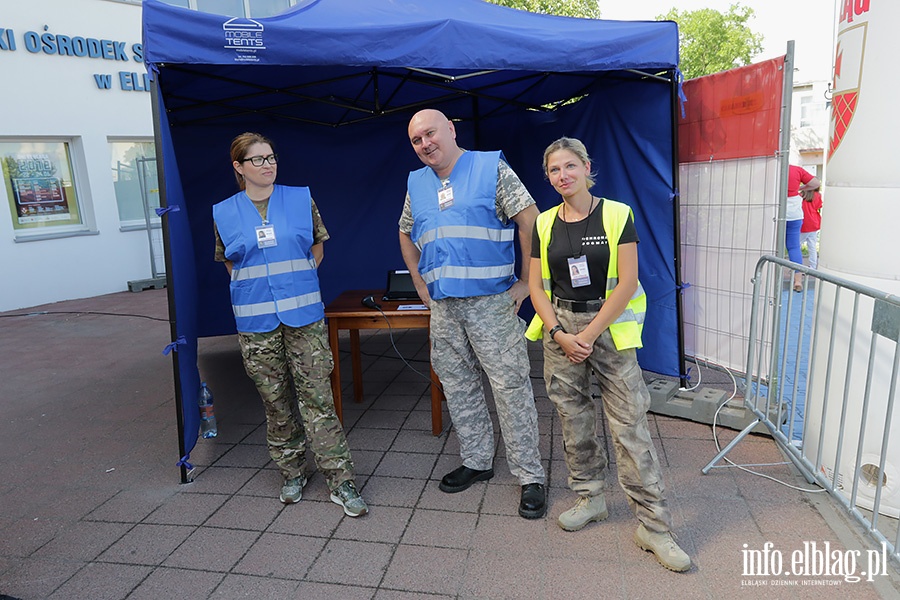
(590, 312)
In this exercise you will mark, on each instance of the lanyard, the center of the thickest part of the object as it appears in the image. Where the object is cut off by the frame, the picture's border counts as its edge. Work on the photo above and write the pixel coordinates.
(587, 224)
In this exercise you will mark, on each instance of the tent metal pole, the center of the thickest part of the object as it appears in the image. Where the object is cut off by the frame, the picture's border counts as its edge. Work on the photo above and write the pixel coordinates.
(476, 122)
(676, 219)
(451, 77)
(260, 90)
(783, 165)
(647, 75)
(376, 101)
(170, 288)
(373, 78)
(376, 91)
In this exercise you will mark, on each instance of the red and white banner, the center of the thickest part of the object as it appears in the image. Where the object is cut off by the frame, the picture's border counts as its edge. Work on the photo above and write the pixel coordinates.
(732, 114)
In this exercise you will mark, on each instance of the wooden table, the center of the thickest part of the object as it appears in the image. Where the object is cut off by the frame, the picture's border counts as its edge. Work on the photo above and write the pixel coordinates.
(347, 312)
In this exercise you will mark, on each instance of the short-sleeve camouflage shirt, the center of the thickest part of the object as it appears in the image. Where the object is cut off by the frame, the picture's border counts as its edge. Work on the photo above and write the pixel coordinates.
(512, 198)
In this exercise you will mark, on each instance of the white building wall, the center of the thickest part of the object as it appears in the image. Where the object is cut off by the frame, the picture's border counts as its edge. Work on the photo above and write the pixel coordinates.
(809, 126)
(53, 96)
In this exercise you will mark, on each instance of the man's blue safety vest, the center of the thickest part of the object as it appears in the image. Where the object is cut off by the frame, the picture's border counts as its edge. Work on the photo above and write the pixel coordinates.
(466, 250)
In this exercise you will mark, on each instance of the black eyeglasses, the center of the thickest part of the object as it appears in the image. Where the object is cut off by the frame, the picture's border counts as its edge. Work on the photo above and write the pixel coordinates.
(257, 161)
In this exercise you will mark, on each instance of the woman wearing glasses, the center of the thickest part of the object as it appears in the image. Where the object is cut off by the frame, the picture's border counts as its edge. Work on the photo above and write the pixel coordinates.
(270, 238)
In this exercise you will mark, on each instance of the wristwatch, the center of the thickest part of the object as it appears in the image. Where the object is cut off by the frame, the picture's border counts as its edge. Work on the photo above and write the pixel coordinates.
(554, 329)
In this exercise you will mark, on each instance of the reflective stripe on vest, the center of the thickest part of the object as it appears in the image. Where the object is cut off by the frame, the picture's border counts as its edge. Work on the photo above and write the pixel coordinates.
(285, 304)
(465, 231)
(468, 272)
(275, 268)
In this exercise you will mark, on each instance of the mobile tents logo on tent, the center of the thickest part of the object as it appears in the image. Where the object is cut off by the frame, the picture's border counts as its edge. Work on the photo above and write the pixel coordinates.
(245, 36)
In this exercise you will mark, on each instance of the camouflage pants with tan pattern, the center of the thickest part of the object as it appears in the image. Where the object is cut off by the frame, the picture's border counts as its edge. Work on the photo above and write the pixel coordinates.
(299, 359)
(625, 401)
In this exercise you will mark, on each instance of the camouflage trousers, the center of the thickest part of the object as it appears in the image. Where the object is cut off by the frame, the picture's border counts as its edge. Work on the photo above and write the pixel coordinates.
(486, 330)
(290, 367)
(625, 400)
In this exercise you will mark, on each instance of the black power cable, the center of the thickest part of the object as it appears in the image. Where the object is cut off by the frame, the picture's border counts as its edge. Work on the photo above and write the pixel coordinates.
(369, 302)
(82, 312)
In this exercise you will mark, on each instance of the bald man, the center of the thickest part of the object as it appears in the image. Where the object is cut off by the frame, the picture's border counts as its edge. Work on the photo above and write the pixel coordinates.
(457, 236)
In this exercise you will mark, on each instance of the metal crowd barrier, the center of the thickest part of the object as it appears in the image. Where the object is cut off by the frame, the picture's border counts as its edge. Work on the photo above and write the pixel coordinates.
(822, 370)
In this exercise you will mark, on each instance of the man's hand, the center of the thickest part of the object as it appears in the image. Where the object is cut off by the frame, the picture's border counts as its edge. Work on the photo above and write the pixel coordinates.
(422, 290)
(519, 291)
(411, 257)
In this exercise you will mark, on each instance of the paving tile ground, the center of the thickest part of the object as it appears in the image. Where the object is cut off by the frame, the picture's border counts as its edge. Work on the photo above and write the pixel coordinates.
(92, 507)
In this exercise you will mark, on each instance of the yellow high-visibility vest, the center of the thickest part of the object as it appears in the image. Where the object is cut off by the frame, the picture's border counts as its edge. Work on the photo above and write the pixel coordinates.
(626, 330)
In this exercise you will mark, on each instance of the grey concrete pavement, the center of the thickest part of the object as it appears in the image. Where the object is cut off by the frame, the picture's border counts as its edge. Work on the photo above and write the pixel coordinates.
(91, 505)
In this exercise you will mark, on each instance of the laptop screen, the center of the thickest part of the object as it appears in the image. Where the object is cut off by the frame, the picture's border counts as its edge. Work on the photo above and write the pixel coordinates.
(400, 286)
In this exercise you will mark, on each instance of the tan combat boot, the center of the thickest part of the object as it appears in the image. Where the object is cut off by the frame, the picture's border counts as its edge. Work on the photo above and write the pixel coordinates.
(586, 509)
(664, 547)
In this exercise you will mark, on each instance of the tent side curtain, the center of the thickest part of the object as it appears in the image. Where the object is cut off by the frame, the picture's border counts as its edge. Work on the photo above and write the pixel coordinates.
(181, 272)
(357, 173)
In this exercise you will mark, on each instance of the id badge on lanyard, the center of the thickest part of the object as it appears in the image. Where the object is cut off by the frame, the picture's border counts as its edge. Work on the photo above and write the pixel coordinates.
(578, 271)
(445, 196)
(265, 236)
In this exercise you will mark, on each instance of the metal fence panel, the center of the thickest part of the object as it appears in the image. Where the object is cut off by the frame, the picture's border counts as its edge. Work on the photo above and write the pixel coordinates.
(822, 377)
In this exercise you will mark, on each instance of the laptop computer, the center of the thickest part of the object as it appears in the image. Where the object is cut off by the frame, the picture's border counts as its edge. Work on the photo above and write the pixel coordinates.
(400, 286)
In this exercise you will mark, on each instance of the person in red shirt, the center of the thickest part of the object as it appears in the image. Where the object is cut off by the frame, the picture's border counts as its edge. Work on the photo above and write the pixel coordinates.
(799, 180)
(812, 222)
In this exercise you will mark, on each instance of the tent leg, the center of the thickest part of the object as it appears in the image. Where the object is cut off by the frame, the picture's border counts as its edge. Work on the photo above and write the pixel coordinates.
(170, 284)
(676, 220)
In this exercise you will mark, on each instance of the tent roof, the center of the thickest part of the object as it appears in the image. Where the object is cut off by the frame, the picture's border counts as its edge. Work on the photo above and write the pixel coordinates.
(339, 62)
(462, 34)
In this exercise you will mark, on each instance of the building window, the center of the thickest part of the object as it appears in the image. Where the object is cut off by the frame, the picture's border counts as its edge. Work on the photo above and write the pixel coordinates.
(267, 8)
(812, 113)
(233, 8)
(136, 183)
(40, 186)
(237, 8)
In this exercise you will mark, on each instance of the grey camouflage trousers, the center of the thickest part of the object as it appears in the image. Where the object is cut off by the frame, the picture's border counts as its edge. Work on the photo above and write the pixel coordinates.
(486, 330)
(298, 359)
(625, 400)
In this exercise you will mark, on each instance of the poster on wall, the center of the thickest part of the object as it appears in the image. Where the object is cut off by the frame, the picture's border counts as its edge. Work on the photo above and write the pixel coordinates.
(39, 184)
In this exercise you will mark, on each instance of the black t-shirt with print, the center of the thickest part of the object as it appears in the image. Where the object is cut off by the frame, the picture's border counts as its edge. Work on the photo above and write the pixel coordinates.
(585, 237)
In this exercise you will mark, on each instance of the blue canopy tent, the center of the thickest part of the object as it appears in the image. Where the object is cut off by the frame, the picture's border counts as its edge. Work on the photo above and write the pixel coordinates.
(334, 83)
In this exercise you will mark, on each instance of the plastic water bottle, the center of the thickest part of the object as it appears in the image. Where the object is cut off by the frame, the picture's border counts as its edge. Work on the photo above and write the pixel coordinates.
(208, 427)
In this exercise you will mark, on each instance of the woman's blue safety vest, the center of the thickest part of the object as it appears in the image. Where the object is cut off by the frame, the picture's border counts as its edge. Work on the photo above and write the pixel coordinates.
(277, 284)
(466, 250)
